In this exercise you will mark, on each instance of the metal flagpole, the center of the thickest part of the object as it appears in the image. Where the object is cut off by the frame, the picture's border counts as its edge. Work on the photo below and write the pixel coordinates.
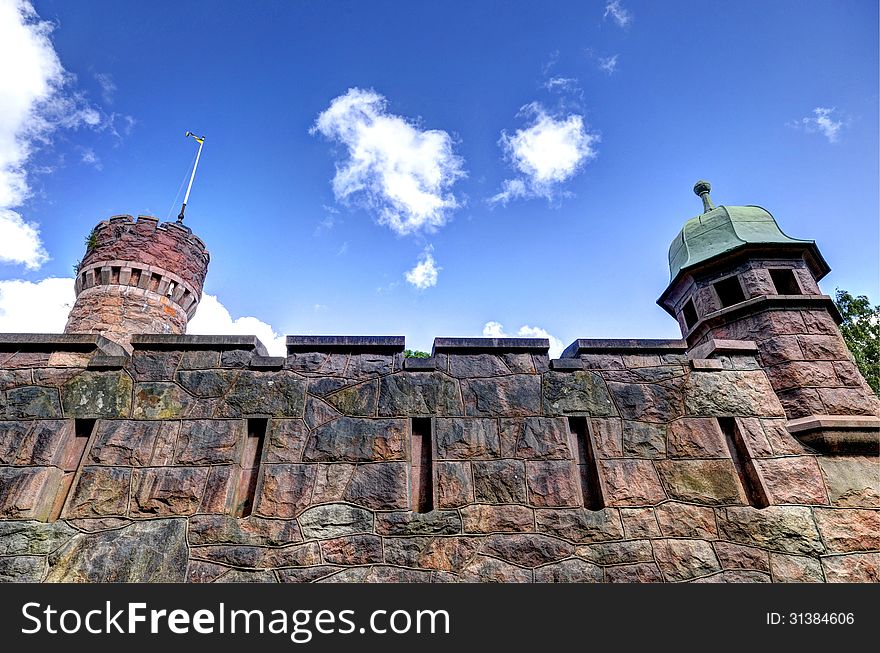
(201, 140)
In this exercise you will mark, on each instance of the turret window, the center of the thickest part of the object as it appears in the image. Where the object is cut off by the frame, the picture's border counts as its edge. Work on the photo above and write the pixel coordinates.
(690, 314)
(729, 291)
(785, 282)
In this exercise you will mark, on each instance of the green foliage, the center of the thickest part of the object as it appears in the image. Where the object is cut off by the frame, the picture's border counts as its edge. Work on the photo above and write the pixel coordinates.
(415, 353)
(91, 241)
(861, 331)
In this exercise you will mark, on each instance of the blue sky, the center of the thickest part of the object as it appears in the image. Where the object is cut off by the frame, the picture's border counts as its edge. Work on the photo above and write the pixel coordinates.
(525, 164)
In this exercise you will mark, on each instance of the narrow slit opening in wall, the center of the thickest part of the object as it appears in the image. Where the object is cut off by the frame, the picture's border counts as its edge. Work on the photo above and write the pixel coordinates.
(155, 279)
(114, 274)
(250, 465)
(135, 278)
(742, 461)
(785, 282)
(421, 465)
(74, 450)
(730, 291)
(585, 460)
(690, 314)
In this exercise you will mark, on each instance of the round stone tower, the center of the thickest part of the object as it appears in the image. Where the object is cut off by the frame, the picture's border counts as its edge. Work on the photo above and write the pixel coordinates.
(138, 276)
(734, 275)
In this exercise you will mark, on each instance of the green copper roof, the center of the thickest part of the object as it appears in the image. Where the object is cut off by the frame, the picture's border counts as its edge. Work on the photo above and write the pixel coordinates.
(722, 229)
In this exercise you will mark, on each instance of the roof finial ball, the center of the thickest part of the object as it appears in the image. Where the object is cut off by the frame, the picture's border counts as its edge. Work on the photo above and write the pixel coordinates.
(702, 189)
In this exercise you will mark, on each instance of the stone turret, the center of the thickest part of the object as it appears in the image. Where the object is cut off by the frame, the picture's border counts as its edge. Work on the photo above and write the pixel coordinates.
(138, 277)
(734, 275)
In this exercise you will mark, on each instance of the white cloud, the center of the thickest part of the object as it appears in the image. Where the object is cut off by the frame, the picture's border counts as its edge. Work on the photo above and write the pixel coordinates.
(424, 274)
(108, 87)
(823, 121)
(35, 101)
(496, 330)
(35, 307)
(213, 318)
(618, 13)
(545, 154)
(401, 172)
(608, 65)
(88, 156)
(20, 241)
(562, 84)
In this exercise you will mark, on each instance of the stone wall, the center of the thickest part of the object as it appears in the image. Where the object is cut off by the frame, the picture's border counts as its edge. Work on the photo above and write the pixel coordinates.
(202, 459)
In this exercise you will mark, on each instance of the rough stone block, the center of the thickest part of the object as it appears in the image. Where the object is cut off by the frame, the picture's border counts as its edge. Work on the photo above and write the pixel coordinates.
(478, 518)
(285, 440)
(552, 483)
(792, 479)
(644, 440)
(499, 481)
(97, 394)
(285, 490)
(491, 570)
(436, 522)
(165, 491)
(335, 520)
(795, 569)
(518, 395)
(28, 492)
(580, 525)
(132, 443)
(731, 393)
(527, 549)
(454, 484)
(686, 520)
(852, 481)
(853, 568)
(99, 492)
(579, 392)
(685, 559)
(737, 556)
(788, 529)
(712, 482)
(569, 571)
(631, 482)
(848, 529)
(206, 442)
(463, 438)
(419, 394)
(536, 438)
(331, 481)
(353, 550)
(657, 402)
(32, 401)
(697, 437)
(380, 486)
(351, 439)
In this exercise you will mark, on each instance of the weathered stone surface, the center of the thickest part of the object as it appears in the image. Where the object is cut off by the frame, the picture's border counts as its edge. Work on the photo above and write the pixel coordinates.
(754, 437)
(853, 568)
(380, 486)
(499, 481)
(849, 529)
(352, 439)
(607, 437)
(788, 529)
(802, 373)
(32, 401)
(795, 569)
(737, 556)
(713, 482)
(207, 383)
(439, 553)
(22, 569)
(686, 520)
(278, 394)
(354, 575)
(644, 440)
(793, 479)
(569, 571)
(318, 412)
(199, 359)
(99, 492)
(849, 401)
(334, 520)
(640, 522)
(579, 392)
(307, 574)
(697, 437)
(45, 442)
(685, 559)
(643, 572)
(852, 481)
(657, 402)
(28, 492)
(285, 440)
(386, 574)
(490, 570)
(436, 522)
(478, 518)
(616, 553)
(361, 400)
(205, 442)
(32, 538)
(162, 491)
(507, 396)
(145, 552)
(527, 550)
(823, 347)
(159, 400)
(286, 490)
(152, 365)
(730, 393)
(97, 394)
(476, 365)
(363, 366)
(735, 576)
(454, 484)
(464, 438)
(580, 525)
(236, 357)
(418, 393)
(128, 442)
(253, 530)
(258, 557)
(535, 437)
(12, 436)
(353, 550)
(631, 482)
(552, 483)
(331, 481)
